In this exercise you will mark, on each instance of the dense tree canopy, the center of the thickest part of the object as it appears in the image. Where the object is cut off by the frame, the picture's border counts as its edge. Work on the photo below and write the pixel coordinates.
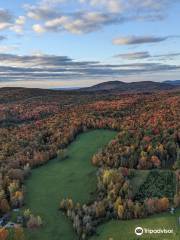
(35, 128)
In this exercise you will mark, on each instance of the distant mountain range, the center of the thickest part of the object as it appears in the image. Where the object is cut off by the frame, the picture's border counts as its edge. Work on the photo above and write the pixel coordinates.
(123, 86)
(174, 82)
(134, 86)
(144, 86)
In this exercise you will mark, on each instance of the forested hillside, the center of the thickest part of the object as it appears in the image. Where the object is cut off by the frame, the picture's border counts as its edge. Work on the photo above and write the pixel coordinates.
(34, 125)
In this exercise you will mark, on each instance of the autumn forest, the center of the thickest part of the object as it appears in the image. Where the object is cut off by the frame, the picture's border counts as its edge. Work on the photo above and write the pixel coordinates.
(137, 172)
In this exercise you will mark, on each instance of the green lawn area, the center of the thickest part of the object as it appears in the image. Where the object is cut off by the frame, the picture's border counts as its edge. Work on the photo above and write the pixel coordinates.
(74, 177)
(124, 230)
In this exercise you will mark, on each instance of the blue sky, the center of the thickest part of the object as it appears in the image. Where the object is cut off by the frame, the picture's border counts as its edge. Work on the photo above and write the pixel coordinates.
(70, 43)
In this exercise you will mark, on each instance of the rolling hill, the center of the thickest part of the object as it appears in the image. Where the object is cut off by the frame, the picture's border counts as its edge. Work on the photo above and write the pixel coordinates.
(173, 82)
(134, 86)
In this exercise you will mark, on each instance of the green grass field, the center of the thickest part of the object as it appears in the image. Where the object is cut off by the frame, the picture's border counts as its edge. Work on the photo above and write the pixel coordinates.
(74, 177)
(124, 230)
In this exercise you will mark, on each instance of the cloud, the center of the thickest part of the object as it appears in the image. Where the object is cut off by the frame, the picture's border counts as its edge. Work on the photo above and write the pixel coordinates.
(18, 25)
(38, 28)
(146, 55)
(50, 67)
(33, 60)
(132, 40)
(41, 12)
(134, 55)
(168, 56)
(8, 48)
(129, 5)
(81, 22)
(111, 5)
(10, 22)
(5, 16)
(6, 19)
(93, 15)
(50, 3)
(21, 20)
(2, 38)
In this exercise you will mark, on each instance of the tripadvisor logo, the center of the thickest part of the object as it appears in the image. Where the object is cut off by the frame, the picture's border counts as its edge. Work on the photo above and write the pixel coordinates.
(139, 231)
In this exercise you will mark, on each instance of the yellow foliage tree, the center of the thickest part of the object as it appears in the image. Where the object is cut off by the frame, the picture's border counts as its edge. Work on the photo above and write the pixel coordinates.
(120, 211)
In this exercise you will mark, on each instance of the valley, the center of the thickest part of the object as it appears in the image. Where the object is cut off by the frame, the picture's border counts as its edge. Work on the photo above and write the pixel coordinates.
(74, 177)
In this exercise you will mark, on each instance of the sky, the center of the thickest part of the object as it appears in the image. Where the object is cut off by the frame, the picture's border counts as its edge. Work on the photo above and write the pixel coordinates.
(77, 43)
